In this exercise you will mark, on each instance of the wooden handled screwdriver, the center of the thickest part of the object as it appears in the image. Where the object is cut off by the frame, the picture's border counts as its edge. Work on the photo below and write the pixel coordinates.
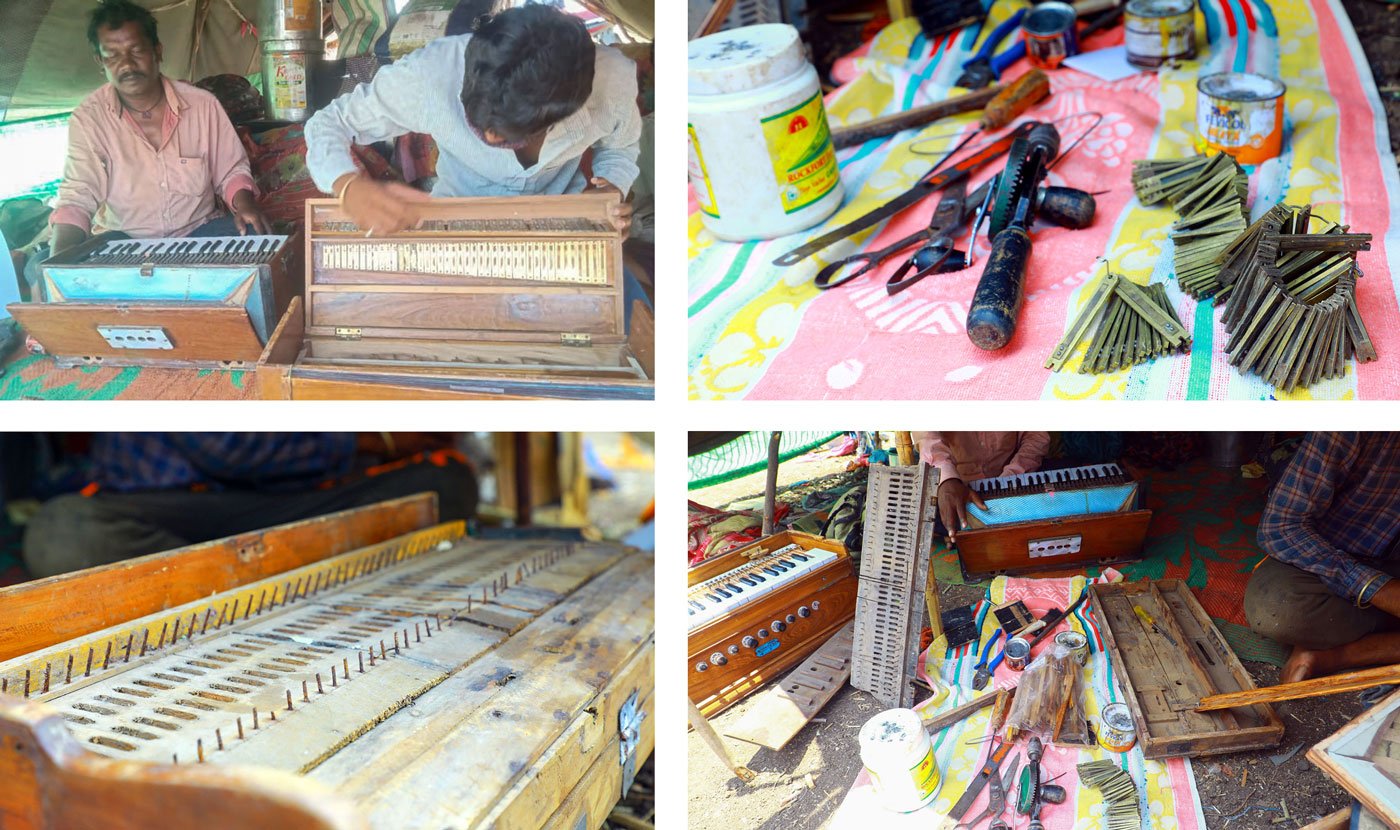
(1000, 105)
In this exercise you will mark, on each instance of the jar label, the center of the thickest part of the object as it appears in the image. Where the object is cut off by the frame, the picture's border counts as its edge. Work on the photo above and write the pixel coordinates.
(289, 82)
(700, 178)
(799, 144)
(925, 775)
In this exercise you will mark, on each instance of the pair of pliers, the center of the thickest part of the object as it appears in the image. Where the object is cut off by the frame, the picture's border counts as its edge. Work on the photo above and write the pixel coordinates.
(937, 255)
(985, 669)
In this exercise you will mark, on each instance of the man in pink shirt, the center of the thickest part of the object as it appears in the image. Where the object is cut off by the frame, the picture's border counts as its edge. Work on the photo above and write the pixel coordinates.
(147, 156)
(966, 456)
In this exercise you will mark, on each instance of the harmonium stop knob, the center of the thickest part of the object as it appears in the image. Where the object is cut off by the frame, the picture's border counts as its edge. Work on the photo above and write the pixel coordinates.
(749, 641)
(804, 612)
(779, 626)
(718, 659)
(702, 666)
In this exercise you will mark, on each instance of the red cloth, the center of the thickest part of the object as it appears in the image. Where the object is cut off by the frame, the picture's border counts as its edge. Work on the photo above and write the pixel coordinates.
(278, 158)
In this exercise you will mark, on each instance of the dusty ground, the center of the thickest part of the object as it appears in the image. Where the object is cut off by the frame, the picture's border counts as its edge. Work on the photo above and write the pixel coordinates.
(827, 749)
(1378, 29)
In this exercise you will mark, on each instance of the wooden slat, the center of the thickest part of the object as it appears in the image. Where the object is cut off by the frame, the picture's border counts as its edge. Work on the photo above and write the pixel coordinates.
(1332, 821)
(786, 708)
(1322, 757)
(467, 313)
(1316, 687)
(49, 611)
(203, 332)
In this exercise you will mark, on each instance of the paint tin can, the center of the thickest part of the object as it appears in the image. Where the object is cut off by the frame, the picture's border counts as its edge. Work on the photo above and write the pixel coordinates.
(1241, 113)
(1017, 653)
(1158, 31)
(1076, 643)
(1116, 730)
(896, 751)
(1048, 29)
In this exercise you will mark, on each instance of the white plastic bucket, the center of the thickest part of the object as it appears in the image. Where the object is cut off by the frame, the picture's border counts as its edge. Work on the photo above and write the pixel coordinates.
(897, 752)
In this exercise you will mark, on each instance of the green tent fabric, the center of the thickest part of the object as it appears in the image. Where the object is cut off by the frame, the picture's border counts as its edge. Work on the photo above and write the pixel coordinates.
(748, 454)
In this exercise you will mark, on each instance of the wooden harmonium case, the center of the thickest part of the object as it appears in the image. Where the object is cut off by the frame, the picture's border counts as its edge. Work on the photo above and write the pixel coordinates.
(210, 302)
(485, 298)
(758, 611)
(1054, 519)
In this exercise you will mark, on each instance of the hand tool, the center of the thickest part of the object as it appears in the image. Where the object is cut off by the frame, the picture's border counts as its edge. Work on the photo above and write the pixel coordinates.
(978, 70)
(853, 134)
(1051, 624)
(985, 669)
(991, 317)
(939, 234)
(995, 756)
(1031, 797)
(935, 179)
(996, 795)
(1147, 618)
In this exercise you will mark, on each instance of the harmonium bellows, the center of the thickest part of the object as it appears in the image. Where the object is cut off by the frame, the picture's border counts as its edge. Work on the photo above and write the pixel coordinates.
(427, 680)
(191, 301)
(1054, 519)
(758, 611)
(485, 297)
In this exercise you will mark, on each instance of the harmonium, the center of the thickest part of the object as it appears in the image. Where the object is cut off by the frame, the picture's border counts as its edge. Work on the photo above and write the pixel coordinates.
(209, 302)
(1054, 519)
(371, 668)
(485, 298)
(755, 612)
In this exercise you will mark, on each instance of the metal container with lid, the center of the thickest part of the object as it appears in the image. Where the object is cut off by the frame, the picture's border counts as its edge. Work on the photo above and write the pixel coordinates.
(289, 34)
(1159, 31)
(1048, 29)
(283, 20)
(761, 159)
(1241, 113)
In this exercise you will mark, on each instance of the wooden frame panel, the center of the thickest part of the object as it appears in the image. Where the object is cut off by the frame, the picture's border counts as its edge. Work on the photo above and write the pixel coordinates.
(1107, 537)
(1351, 772)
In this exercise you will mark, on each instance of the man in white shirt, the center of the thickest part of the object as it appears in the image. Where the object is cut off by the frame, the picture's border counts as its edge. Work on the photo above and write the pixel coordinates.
(513, 107)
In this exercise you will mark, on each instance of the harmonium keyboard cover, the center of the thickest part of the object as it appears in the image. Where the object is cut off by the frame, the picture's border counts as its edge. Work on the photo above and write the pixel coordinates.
(210, 302)
(486, 298)
(430, 680)
(1092, 514)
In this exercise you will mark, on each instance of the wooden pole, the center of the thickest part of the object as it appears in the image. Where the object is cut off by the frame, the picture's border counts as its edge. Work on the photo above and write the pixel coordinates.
(1316, 687)
(770, 487)
(916, 117)
(719, 12)
(1332, 821)
(904, 444)
(712, 740)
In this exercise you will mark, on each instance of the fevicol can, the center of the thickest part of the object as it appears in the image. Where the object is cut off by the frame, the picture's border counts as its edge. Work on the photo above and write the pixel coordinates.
(1241, 113)
(1158, 31)
(761, 159)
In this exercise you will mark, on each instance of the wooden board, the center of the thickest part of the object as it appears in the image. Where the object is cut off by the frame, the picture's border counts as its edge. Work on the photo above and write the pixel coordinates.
(1004, 549)
(204, 333)
(1164, 682)
(43, 612)
(782, 710)
(1344, 756)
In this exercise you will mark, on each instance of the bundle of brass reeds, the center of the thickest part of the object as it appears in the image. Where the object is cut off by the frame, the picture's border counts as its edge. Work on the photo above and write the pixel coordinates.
(1136, 324)
(1209, 193)
(1292, 317)
(1120, 793)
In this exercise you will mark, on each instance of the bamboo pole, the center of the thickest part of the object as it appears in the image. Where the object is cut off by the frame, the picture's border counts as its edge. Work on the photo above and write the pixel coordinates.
(712, 740)
(770, 486)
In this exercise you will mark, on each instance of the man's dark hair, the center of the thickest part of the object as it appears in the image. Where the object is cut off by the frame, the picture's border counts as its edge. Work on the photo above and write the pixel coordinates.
(114, 14)
(526, 68)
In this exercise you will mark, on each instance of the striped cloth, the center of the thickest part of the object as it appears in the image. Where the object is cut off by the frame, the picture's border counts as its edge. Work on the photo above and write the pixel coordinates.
(360, 23)
(757, 331)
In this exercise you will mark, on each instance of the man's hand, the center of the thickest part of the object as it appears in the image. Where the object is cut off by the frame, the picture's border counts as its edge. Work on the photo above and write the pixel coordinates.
(246, 215)
(953, 496)
(620, 213)
(65, 236)
(381, 208)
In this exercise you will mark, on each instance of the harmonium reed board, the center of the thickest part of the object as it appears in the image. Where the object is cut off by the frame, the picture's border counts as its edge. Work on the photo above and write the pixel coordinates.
(427, 681)
(207, 302)
(485, 298)
(755, 612)
(1054, 519)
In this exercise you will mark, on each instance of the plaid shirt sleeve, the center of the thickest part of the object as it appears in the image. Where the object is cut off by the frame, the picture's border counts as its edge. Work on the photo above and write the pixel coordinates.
(1288, 530)
(135, 462)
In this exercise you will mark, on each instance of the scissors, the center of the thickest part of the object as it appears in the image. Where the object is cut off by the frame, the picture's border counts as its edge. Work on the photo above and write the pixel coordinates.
(936, 256)
(996, 799)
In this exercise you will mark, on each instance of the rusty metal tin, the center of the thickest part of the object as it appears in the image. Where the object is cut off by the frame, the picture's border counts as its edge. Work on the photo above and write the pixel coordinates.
(1048, 29)
(1017, 653)
(1076, 643)
(1158, 31)
(1116, 730)
(1241, 113)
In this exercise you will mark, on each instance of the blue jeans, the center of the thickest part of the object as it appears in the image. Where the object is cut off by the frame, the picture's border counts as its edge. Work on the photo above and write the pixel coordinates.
(222, 226)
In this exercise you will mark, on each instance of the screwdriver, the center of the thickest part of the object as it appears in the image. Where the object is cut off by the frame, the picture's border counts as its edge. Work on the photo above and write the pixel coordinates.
(1147, 618)
(1000, 107)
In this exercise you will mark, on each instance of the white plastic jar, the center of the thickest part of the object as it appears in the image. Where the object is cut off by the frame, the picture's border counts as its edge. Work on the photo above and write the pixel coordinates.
(897, 752)
(761, 160)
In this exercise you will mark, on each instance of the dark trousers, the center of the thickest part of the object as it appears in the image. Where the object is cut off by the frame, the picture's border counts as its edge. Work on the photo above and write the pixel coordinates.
(74, 532)
(1297, 609)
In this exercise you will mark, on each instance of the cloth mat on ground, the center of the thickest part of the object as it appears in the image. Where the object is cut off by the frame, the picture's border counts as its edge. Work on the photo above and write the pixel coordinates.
(760, 331)
(1204, 523)
(39, 378)
(1166, 789)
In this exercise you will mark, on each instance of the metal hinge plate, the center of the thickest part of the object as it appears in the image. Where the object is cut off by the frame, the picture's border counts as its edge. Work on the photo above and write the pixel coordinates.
(629, 727)
(346, 333)
(571, 339)
(136, 337)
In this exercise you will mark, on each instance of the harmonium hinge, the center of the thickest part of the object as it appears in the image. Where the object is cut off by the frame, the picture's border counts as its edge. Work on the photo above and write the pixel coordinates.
(629, 727)
(569, 338)
(346, 333)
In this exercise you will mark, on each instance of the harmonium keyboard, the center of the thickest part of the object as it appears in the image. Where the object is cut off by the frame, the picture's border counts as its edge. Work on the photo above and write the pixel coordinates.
(371, 668)
(485, 298)
(210, 302)
(758, 611)
(1054, 519)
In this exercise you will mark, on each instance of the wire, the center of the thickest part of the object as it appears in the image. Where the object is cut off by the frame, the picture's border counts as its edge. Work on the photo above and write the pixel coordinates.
(1098, 119)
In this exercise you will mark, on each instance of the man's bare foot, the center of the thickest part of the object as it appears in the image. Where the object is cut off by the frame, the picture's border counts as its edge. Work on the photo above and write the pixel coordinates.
(1302, 664)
